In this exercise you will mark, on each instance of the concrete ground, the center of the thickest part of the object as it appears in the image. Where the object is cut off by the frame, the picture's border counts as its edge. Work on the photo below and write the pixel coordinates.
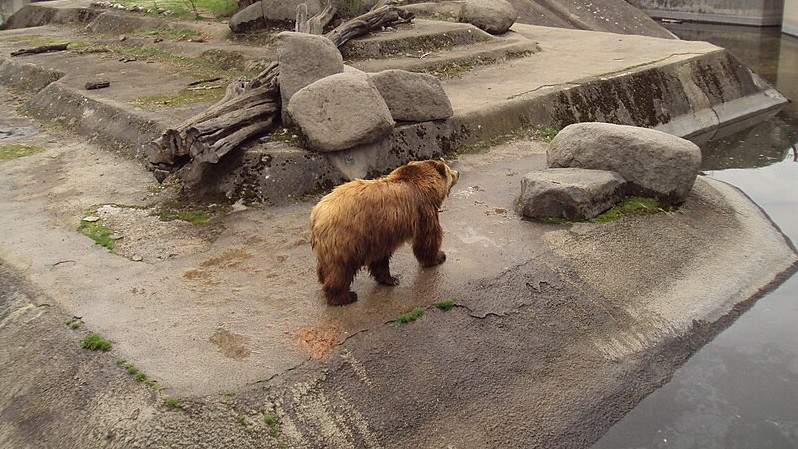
(556, 332)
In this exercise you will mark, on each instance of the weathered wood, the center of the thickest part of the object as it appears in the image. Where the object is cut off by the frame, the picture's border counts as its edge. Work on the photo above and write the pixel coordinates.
(301, 23)
(40, 49)
(373, 20)
(209, 80)
(317, 23)
(251, 108)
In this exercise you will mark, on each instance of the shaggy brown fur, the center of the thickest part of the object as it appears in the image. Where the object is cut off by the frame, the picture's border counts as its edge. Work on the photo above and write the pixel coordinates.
(364, 222)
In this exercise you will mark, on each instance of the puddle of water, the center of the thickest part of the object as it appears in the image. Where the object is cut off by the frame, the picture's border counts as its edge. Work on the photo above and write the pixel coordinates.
(740, 390)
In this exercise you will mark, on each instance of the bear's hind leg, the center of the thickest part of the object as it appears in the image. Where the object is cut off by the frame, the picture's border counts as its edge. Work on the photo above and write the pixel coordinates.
(336, 286)
(381, 272)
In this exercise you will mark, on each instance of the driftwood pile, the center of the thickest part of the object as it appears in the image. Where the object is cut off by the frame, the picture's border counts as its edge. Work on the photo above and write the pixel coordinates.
(252, 108)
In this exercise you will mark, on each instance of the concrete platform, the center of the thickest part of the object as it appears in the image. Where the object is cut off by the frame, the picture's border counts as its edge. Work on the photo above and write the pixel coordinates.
(556, 332)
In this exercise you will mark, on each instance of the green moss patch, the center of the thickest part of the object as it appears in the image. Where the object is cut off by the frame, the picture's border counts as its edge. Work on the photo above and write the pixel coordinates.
(17, 150)
(96, 231)
(631, 205)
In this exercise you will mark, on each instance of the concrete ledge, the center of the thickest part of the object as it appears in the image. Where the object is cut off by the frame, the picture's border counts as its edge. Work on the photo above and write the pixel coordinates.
(26, 77)
(684, 98)
(761, 20)
(35, 14)
(109, 122)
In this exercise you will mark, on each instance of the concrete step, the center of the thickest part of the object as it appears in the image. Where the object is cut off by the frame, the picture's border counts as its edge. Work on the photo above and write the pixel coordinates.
(442, 48)
(418, 37)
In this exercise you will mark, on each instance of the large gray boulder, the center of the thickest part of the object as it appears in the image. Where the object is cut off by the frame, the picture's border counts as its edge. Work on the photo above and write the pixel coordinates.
(413, 97)
(265, 12)
(493, 16)
(305, 59)
(653, 163)
(571, 193)
(340, 112)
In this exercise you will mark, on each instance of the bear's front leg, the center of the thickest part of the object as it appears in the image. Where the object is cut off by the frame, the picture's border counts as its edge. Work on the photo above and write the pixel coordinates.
(427, 245)
(381, 272)
(336, 286)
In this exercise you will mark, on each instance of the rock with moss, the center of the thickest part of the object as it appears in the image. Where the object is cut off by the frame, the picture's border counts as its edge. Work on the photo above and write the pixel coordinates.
(653, 163)
(569, 193)
(414, 97)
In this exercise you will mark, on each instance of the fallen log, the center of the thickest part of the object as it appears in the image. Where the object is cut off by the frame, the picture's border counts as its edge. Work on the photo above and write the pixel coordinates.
(251, 108)
(92, 85)
(40, 49)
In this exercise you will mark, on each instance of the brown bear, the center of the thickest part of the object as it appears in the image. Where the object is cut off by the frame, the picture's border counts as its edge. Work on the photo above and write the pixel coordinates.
(363, 222)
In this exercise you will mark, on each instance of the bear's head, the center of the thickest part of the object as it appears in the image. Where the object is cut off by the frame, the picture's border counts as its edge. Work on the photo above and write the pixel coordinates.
(431, 174)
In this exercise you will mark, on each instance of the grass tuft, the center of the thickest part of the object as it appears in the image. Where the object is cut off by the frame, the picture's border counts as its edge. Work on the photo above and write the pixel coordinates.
(137, 374)
(413, 315)
(445, 305)
(546, 132)
(94, 342)
(274, 426)
(73, 323)
(172, 402)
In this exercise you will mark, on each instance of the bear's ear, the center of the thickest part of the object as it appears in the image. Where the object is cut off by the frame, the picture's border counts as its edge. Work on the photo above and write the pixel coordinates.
(440, 166)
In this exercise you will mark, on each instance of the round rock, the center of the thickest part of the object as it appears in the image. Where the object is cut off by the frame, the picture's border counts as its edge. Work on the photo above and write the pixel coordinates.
(414, 97)
(339, 112)
(493, 16)
(305, 59)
